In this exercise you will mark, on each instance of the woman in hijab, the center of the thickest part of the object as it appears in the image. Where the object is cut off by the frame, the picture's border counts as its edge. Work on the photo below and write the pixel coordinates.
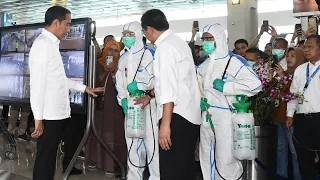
(281, 89)
(108, 116)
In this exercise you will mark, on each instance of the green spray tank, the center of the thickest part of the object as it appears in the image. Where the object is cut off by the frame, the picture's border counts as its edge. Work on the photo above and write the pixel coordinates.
(243, 130)
(242, 105)
(136, 118)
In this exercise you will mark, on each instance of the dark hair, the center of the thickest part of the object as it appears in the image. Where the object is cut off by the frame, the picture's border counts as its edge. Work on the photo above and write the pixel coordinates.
(144, 40)
(290, 49)
(239, 41)
(264, 56)
(316, 37)
(301, 42)
(268, 44)
(197, 47)
(55, 12)
(108, 36)
(255, 51)
(156, 19)
(283, 40)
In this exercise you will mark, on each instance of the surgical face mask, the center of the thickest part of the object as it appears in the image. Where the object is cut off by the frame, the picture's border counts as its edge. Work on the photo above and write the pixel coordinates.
(278, 52)
(251, 63)
(128, 41)
(208, 47)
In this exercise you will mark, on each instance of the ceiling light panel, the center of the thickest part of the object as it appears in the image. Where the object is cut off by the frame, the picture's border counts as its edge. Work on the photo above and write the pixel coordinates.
(32, 11)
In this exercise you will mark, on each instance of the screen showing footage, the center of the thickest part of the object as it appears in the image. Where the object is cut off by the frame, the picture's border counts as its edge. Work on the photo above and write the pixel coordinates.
(75, 96)
(14, 60)
(11, 64)
(11, 86)
(73, 63)
(13, 41)
(74, 39)
(31, 35)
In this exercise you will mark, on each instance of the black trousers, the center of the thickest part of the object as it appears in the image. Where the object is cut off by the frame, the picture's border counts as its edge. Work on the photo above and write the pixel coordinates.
(30, 123)
(179, 162)
(72, 136)
(5, 111)
(306, 132)
(71, 130)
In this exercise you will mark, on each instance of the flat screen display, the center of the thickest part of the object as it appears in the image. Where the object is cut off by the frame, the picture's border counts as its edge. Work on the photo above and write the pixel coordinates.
(303, 6)
(14, 59)
(13, 41)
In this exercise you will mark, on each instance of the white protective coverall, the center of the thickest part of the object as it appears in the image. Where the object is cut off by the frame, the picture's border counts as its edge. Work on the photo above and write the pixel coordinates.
(141, 148)
(239, 79)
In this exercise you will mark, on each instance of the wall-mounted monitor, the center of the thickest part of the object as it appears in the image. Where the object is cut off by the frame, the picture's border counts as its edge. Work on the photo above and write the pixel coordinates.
(306, 7)
(15, 44)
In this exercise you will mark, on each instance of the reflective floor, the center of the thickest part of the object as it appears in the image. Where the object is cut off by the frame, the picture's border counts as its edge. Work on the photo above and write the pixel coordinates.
(21, 167)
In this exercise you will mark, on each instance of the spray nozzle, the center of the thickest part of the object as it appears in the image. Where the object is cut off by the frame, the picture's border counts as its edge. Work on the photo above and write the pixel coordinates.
(242, 104)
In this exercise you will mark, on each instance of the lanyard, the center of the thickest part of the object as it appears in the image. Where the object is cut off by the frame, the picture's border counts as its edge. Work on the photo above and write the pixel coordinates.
(308, 77)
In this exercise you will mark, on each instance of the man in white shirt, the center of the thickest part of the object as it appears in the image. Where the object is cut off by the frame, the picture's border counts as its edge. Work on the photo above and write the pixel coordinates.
(49, 91)
(306, 83)
(177, 96)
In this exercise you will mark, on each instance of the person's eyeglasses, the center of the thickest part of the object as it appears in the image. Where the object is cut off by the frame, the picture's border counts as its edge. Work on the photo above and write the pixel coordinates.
(127, 34)
(207, 38)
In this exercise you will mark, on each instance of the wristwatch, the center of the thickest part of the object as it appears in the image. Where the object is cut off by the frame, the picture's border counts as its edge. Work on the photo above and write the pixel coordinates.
(149, 94)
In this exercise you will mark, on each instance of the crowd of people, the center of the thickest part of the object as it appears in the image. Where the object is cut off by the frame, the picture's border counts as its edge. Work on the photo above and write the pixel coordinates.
(247, 60)
(189, 91)
(293, 95)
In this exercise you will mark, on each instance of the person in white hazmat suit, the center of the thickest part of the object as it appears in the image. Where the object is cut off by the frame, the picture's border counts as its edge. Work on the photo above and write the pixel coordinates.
(216, 103)
(132, 77)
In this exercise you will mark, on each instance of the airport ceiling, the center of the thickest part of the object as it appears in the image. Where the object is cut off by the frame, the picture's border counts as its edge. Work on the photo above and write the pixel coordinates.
(32, 11)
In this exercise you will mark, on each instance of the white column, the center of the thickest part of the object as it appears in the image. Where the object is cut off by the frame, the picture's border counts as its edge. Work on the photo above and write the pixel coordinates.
(242, 21)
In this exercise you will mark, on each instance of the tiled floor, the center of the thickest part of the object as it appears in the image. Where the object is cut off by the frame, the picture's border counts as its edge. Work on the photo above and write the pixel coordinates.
(21, 167)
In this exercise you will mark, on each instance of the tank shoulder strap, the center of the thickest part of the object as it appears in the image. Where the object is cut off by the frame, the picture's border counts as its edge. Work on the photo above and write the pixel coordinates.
(225, 69)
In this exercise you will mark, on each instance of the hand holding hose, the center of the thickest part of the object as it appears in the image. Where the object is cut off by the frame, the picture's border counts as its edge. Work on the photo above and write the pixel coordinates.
(204, 106)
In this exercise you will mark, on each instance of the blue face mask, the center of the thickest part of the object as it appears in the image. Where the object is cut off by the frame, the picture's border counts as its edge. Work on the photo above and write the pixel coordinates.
(129, 41)
(278, 52)
(208, 47)
(251, 63)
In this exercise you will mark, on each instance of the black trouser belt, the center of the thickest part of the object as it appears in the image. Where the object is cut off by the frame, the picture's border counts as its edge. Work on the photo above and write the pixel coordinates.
(310, 115)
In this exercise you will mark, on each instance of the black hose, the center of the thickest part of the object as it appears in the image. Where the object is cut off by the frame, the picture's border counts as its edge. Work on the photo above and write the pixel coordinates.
(215, 162)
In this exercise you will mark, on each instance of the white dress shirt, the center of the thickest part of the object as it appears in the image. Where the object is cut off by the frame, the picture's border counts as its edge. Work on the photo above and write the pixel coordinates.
(175, 77)
(311, 95)
(49, 85)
